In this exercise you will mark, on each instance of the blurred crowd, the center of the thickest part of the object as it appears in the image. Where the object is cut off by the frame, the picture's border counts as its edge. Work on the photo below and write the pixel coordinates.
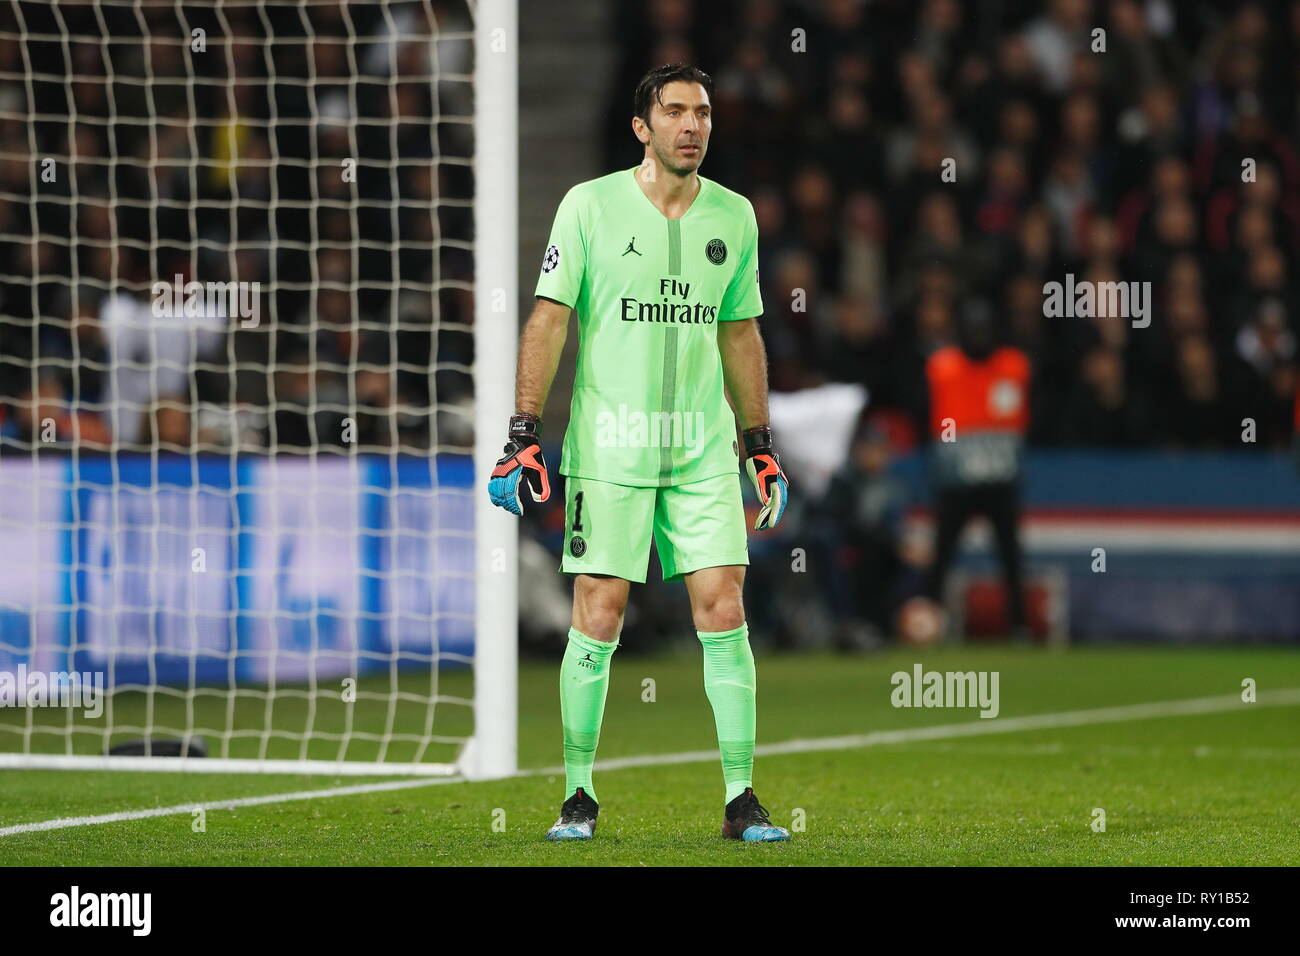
(331, 165)
(901, 156)
(1118, 155)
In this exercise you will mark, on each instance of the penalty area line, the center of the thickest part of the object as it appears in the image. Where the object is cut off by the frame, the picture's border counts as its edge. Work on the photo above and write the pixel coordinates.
(983, 727)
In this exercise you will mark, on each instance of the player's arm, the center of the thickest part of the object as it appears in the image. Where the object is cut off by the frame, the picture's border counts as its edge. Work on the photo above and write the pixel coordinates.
(540, 348)
(744, 371)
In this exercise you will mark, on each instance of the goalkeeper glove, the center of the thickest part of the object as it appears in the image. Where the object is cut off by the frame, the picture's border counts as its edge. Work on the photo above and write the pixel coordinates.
(522, 458)
(765, 472)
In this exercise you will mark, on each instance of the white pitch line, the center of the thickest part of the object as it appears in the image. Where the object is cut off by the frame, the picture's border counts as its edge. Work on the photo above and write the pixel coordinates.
(64, 822)
(976, 728)
(999, 725)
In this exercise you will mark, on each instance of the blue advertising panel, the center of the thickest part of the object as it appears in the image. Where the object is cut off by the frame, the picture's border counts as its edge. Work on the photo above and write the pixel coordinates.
(181, 570)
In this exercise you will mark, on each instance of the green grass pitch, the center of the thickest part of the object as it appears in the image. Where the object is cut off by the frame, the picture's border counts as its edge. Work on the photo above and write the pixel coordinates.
(1213, 788)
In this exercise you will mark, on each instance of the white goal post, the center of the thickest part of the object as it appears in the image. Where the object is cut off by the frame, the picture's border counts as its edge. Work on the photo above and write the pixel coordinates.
(329, 605)
(492, 752)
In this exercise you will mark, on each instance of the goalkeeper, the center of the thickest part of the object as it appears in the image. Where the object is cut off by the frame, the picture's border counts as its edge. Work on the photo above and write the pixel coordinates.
(661, 265)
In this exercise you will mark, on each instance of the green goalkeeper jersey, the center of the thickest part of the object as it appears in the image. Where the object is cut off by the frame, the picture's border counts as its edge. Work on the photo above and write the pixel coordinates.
(648, 405)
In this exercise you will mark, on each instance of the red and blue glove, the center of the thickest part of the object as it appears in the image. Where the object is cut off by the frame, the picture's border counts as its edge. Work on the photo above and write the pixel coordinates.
(522, 459)
(765, 472)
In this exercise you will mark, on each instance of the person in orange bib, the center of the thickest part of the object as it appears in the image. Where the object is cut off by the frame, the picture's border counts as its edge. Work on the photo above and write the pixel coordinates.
(979, 413)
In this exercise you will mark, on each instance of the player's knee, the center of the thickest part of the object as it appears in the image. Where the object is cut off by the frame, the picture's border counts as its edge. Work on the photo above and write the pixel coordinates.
(720, 612)
(600, 623)
(598, 609)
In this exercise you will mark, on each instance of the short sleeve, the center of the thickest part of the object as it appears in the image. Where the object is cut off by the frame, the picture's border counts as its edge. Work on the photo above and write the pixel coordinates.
(565, 258)
(743, 299)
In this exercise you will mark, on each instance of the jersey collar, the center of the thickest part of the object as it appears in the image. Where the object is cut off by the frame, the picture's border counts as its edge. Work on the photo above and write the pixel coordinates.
(704, 184)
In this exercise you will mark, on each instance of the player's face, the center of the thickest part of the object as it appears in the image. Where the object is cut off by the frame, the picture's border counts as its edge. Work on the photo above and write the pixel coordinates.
(680, 126)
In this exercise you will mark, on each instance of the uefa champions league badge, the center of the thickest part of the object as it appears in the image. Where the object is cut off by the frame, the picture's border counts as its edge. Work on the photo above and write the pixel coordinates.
(551, 259)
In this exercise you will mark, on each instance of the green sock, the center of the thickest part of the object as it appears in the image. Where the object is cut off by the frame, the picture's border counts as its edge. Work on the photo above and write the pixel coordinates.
(584, 679)
(730, 682)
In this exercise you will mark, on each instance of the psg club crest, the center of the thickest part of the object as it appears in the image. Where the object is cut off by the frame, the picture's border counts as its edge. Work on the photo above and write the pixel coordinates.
(577, 546)
(716, 250)
(551, 259)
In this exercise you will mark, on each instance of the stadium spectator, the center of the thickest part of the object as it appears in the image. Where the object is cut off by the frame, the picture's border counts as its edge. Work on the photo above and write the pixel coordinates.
(152, 351)
(861, 519)
(979, 415)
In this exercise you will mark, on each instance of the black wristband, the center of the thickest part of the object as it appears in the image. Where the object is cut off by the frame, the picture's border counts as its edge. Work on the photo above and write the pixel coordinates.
(757, 438)
(524, 425)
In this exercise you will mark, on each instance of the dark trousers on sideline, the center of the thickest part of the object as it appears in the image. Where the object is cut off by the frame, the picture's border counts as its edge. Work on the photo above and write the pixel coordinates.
(1000, 503)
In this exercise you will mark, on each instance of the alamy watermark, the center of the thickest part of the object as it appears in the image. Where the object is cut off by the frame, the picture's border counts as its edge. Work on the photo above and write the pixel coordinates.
(212, 299)
(922, 688)
(1086, 300)
(24, 688)
(634, 429)
(74, 908)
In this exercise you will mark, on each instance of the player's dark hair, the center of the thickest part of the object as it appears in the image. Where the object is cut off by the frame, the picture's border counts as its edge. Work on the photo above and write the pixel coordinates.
(650, 89)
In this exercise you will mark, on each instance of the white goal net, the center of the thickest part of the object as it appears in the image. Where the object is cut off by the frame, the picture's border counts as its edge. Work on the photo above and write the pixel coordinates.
(237, 385)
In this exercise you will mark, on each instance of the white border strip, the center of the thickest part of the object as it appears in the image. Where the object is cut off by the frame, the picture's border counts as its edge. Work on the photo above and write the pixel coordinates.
(1286, 697)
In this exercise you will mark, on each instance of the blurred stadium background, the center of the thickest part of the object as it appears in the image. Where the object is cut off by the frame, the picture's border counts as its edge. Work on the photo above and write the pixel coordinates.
(834, 116)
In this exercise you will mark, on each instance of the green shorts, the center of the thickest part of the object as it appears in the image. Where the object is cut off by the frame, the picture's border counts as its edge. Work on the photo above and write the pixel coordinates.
(607, 527)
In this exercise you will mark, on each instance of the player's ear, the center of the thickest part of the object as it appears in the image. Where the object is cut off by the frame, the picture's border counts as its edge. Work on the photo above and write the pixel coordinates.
(641, 130)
